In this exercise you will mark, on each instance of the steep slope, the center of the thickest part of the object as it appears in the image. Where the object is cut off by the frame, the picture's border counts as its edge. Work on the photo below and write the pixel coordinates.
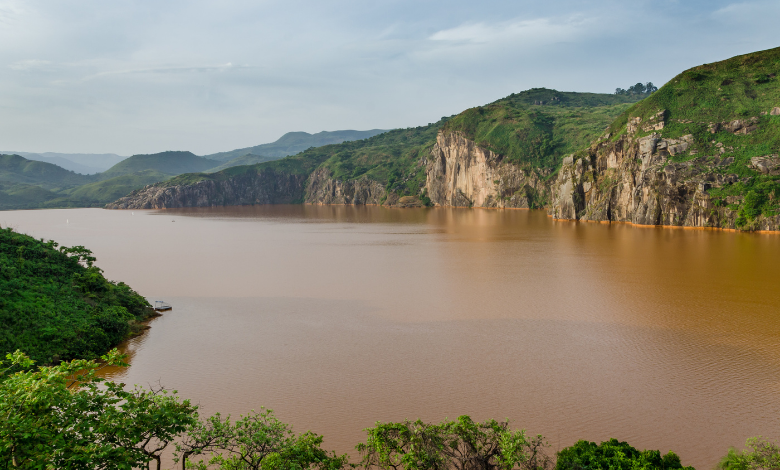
(55, 305)
(248, 159)
(292, 143)
(394, 167)
(700, 152)
(169, 163)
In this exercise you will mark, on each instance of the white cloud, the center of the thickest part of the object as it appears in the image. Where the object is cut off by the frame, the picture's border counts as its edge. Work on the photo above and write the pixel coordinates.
(535, 30)
(30, 64)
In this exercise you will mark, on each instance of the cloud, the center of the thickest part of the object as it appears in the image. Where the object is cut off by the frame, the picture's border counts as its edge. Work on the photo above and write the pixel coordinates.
(535, 31)
(30, 64)
(185, 69)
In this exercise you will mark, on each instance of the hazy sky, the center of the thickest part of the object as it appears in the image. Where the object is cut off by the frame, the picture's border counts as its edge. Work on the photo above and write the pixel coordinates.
(146, 76)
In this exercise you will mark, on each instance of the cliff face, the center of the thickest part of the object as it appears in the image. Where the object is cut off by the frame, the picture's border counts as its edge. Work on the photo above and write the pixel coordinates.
(634, 180)
(261, 187)
(324, 189)
(461, 174)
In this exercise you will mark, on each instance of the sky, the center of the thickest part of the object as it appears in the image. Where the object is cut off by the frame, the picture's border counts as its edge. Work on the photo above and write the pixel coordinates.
(128, 77)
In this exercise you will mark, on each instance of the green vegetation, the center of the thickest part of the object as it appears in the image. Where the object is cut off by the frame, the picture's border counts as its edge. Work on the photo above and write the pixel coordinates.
(703, 102)
(760, 455)
(536, 128)
(248, 159)
(66, 416)
(615, 455)
(169, 163)
(292, 143)
(638, 89)
(56, 305)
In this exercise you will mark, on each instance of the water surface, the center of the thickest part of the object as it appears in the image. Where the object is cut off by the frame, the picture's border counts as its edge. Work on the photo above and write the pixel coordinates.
(337, 317)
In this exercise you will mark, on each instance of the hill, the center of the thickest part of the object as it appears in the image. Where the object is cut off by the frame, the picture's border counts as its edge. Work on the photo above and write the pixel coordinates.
(248, 159)
(292, 143)
(702, 151)
(16, 169)
(84, 163)
(392, 165)
(169, 163)
(55, 305)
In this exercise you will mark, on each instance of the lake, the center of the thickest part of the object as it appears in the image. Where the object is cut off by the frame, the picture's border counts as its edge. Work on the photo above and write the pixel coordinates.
(337, 317)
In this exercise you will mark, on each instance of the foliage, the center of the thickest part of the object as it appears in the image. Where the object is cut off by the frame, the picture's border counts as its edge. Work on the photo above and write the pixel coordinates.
(761, 455)
(538, 127)
(65, 416)
(701, 100)
(461, 444)
(614, 455)
(169, 163)
(255, 441)
(56, 305)
(638, 89)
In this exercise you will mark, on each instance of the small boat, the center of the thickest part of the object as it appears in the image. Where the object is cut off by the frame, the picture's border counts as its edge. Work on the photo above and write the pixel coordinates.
(160, 306)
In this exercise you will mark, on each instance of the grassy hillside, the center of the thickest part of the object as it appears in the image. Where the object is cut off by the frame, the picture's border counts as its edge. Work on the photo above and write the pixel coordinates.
(169, 163)
(249, 159)
(704, 102)
(55, 305)
(102, 192)
(536, 127)
(15, 170)
(539, 126)
(292, 143)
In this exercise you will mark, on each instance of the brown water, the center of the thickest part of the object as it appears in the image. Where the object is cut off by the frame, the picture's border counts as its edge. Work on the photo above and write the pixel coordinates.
(337, 317)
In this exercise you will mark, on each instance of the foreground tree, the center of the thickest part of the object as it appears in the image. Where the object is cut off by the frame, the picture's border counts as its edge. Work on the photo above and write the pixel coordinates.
(461, 444)
(66, 417)
(255, 441)
(760, 455)
(615, 455)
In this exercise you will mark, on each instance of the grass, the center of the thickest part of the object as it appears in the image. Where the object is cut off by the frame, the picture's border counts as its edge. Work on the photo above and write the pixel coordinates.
(745, 87)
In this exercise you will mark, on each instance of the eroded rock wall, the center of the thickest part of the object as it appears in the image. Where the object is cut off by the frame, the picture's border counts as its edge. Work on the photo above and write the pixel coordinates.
(462, 174)
(633, 180)
(324, 189)
(264, 187)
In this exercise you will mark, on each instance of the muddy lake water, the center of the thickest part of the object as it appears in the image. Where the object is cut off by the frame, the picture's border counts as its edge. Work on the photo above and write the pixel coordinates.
(337, 317)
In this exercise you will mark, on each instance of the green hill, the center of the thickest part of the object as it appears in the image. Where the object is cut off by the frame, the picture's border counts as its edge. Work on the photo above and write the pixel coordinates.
(102, 192)
(249, 159)
(535, 127)
(15, 170)
(169, 163)
(292, 143)
(55, 305)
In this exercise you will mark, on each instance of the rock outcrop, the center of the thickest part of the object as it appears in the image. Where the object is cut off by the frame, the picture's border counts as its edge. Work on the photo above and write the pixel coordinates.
(632, 180)
(462, 174)
(324, 189)
(253, 187)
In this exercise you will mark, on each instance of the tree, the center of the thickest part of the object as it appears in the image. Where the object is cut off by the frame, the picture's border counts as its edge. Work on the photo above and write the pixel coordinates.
(615, 455)
(65, 416)
(255, 441)
(762, 455)
(461, 444)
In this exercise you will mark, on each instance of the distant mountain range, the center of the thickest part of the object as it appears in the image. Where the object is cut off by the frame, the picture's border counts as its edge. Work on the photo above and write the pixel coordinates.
(35, 180)
(293, 143)
(84, 163)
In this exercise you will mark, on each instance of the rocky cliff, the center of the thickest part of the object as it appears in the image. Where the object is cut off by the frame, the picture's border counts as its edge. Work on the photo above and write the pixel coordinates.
(322, 188)
(638, 179)
(462, 174)
(265, 186)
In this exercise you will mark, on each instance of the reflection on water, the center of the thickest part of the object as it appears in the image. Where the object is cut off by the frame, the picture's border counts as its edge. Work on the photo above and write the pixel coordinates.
(337, 317)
